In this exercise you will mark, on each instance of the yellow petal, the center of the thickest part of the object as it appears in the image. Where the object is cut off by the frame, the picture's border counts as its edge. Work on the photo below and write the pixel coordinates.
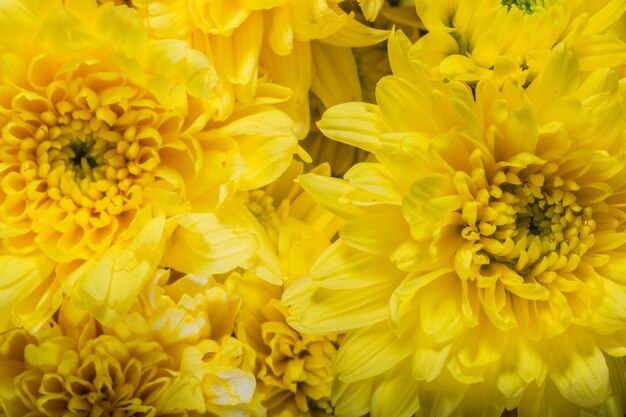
(108, 285)
(319, 310)
(371, 8)
(342, 266)
(424, 207)
(398, 48)
(600, 51)
(429, 359)
(399, 385)
(578, 368)
(442, 396)
(355, 34)
(22, 275)
(370, 351)
(336, 77)
(462, 68)
(213, 243)
(356, 124)
(403, 106)
(123, 29)
(329, 193)
(363, 233)
(352, 399)
(558, 78)
(378, 182)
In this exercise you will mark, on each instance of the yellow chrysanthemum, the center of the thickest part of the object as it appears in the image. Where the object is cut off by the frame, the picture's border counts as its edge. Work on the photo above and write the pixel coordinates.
(74, 369)
(468, 39)
(251, 41)
(481, 264)
(193, 318)
(104, 136)
(294, 370)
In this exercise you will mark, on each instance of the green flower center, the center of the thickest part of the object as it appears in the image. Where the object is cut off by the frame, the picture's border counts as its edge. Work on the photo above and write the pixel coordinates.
(526, 6)
(82, 156)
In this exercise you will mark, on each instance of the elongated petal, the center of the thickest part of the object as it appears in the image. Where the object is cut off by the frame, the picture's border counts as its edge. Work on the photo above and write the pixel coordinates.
(370, 351)
(108, 285)
(578, 369)
(356, 124)
(22, 274)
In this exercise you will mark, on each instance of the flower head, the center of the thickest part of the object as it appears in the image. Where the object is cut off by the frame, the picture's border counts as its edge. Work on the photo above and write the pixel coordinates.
(293, 369)
(101, 144)
(471, 40)
(257, 45)
(79, 373)
(193, 318)
(481, 254)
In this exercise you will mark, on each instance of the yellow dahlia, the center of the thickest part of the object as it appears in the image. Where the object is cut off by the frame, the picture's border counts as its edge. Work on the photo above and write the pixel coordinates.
(469, 39)
(480, 267)
(105, 136)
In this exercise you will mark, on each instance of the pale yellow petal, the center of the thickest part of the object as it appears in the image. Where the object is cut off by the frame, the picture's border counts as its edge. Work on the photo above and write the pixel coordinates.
(399, 385)
(578, 368)
(22, 275)
(356, 124)
(342, 266)
(370, 351)
(108, 285)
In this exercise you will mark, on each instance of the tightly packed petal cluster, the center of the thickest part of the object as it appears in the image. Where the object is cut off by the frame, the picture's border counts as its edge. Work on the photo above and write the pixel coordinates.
(312, 208)
(101, 148)
(498, 273)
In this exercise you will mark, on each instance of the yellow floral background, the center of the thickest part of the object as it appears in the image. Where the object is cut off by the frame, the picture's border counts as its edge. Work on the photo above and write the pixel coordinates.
(306, 208)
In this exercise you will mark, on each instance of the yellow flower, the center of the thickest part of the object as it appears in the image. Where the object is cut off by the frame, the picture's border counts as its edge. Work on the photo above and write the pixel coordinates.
(79, 373)
(105, 136)
(480, 267)
(294, 372)
(468, 39)
(256, 45)
(192, 318)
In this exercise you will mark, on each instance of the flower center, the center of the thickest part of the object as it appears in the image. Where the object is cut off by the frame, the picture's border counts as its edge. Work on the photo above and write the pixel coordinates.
(80, 157)
(526, 6)
(528, 221)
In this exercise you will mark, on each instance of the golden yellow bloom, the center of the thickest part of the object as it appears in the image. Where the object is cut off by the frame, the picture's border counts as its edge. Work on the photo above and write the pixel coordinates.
(468, 39)
(104, 137)
(251, 42)
(481, 264)
(72, 368)
(193, 317)
(294, 372)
